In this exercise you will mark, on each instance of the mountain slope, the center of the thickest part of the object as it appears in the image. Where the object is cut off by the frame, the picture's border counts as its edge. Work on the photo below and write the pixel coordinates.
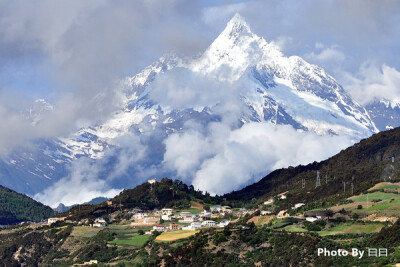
(361, 165)
(16, 207)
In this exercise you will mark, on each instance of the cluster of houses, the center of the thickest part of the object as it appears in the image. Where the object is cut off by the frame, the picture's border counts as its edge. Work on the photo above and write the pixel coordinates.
(193, 226)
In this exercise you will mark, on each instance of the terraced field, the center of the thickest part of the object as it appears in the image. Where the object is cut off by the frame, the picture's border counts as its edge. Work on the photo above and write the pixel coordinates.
(136, 241)
(353, 228)
(175, 235)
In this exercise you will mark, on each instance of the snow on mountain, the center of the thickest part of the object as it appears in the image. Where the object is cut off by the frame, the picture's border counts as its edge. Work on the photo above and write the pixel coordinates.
(385, 113)
(239, 67)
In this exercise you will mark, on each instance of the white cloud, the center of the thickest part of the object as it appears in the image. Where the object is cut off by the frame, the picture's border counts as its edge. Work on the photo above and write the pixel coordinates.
(241, 156)
(373, 82)
(326, 56)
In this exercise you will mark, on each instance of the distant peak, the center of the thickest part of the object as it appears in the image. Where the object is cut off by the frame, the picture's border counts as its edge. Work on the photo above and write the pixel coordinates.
(237, 24)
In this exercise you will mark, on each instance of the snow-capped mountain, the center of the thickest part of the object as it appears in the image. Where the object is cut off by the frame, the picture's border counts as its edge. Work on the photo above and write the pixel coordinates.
(238, 66)
(384, 113)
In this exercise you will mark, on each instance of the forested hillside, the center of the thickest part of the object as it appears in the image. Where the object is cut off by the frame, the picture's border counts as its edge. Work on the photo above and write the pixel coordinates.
(15, 207)
(353, 170)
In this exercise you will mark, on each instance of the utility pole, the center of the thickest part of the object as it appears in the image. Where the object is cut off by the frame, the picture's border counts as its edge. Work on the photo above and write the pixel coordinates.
(344, 187)
(318, 182)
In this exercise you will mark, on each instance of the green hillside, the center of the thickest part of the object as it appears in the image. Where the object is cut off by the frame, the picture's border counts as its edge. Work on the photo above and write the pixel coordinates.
(15, 207)
(363, 165)
(166, 193)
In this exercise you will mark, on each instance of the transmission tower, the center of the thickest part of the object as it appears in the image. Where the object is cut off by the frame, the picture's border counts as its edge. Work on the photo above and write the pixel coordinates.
(318, 183)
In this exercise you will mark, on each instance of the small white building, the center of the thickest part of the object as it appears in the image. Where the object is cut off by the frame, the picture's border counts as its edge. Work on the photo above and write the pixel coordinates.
(299, 205)
(140, 215)
(192, 227)
(311, 219)
(167, 211)
(265, 212)
(99, 222)
(216, 209)
(152, 181)
(208, 223)
(191, 218)
(166, 217)
(53, 220)
(159, 227)
(224, 223)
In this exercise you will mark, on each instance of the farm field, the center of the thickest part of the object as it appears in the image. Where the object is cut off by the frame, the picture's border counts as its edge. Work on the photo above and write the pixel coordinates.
(375, 196)
(294, 228)
(353, 228)
(175, 235)
(385, 185)
(136, 241)
(84, 231)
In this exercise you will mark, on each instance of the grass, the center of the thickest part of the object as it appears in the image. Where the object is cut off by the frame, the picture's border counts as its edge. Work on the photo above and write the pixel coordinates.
(84, 231)
(136, 241)
(294, 228)
(389, 186)
(175, 235)
(117, 227)
(383, 206)
(375, 196)
(352, 228)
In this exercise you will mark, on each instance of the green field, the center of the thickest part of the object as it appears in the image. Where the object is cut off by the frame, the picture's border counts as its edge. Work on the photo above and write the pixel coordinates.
(175, 235)
(390, 186)
(117, 227)
(383, 206)
(375, 196)
(85, 231)
(294, 228)
(136, 241)
(350, 228)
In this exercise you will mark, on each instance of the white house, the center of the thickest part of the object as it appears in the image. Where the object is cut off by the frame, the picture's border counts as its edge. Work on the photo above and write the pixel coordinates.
(216, 209)
(152, 181)
(298, 205)
(208, 223)
(191, 218)
(311, 219)
(224, 223)
(139, 215)
(167, 211)
(99, 222)
(166, 217)
(53, 220)
(159, 228)
(192, 226)
(265, 212)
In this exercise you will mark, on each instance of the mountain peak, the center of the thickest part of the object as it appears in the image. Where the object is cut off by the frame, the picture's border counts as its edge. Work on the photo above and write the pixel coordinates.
(237, 25)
